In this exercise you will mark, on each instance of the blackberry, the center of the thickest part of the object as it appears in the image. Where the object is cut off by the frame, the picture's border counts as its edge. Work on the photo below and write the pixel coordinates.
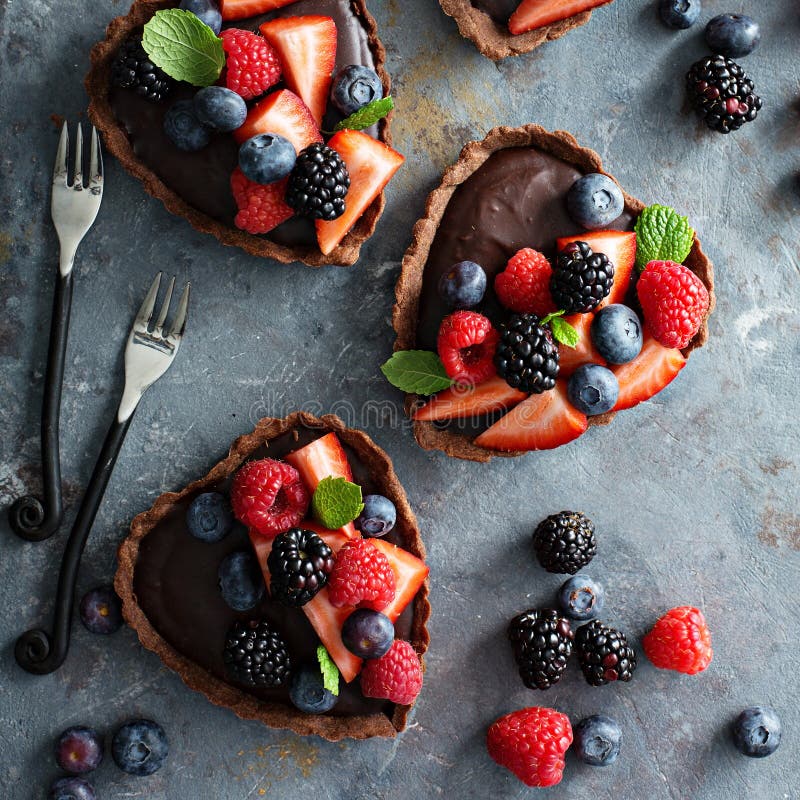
(604, 654)
(527, 356)
(564, 542)
(722, 93)
(581, 278)
(299, 566)
(542, 643)
(256, 655)
(318, 183)
(133, 69)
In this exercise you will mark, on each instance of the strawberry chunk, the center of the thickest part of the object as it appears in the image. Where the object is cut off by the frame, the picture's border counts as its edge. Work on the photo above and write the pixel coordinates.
(242, 9)
(410, 573)
(570, 358)
(461, 401)
(654, 368)
(284, 114)
(532, 14)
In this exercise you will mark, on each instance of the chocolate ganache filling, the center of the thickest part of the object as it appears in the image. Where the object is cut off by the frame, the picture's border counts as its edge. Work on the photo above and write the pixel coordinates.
(499, 10)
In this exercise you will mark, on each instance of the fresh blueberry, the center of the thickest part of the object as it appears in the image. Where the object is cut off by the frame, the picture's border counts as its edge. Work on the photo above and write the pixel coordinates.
(101, 610)
(240, 580)
(71, 789)
(308, 693)
(183, 128)
(597, 740)
(209, 517)
(617, 333)
(140, 747)
(757, 731)
(378, 517)
(267, 158)
(581, 598)
(367, 633)
(354, 87)
(79, 750)
(593, 389)
(220, 109)
(733, 35)
(207, 11)
(679, 14)
(594, 201)
(463, 285)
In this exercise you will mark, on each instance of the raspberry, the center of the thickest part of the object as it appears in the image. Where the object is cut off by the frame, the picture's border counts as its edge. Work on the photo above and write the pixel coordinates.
(262, 207)
(524, 285)
(268, 496)
(674, 301)
(397, 676)
(680, 640)
(252, 65)
(362, 575)
(531, 743)
(466, 345)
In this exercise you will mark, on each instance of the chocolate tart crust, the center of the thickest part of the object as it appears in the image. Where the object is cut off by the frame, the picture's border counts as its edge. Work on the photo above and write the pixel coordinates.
(560, 144)
(97, 84)
(244, 705)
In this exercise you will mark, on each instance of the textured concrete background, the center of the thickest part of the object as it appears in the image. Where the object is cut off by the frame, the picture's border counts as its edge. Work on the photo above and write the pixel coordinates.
(695, 495)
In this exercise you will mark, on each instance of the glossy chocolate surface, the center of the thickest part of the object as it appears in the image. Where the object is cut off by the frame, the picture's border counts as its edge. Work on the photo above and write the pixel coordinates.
(499, 10)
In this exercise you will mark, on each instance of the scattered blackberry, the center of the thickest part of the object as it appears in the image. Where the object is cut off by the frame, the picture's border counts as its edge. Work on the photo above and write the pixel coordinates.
(581, 278)
(565, 542)
(318, 183)
(256, 655)
(604, 654)
(527, 356)
(722, 93)
(133, 69)
(299, 566)
(542, 642)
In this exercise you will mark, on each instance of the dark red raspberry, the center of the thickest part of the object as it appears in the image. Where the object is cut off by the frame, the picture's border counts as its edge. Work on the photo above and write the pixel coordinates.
(524, 285)
(680, 640)
(252, 65)
(396, 677)
(362, 575)
(466, 345)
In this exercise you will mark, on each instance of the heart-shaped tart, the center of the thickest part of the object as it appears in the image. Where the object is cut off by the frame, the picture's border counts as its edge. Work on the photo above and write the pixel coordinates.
(543, 326)
(192, 582)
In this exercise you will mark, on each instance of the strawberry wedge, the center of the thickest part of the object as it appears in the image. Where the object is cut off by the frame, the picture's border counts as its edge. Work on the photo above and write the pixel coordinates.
(371, 165)
(410, 573)
(654, 368)
(284, 114)
(570, 358)
(462, 401)
(532, 14)
(241, 9)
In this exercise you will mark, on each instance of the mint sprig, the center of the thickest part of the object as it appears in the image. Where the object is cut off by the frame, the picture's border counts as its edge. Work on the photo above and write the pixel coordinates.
(184, 47)
(330, 672)
(662, 235)
(562, 331)
(336, 502)
(416, 372)
(367, 115)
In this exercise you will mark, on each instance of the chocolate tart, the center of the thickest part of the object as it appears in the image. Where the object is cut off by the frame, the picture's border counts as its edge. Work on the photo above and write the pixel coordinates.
(526, 172)
(196, 186)
(168, 584)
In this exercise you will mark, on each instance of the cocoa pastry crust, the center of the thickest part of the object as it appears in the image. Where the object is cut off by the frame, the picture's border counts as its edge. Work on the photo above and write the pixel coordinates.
(244, 705)
(116, 141)
(560, 144)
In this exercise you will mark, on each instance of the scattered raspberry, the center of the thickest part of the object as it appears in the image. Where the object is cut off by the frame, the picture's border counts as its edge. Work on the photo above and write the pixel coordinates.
(680, 640)
(466, 345)
(531, 743)
(268, 496)
(397, 676)
(362, 575)
(524, 285)
(674, 301)
(252, 65)
(262, 207)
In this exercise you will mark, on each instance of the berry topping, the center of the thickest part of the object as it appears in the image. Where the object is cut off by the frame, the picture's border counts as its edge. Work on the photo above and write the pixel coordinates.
(252, 65)
(604, 654)
(597, 740)
(617, 333)
(461, 401)
(133, 69)
(261, 208)
(593, 389)
(542, 643)
(378, 517)
(280, 113)
(266, 158)
(757, 731)
(594, 201)
(565, 542)
(680, 641)
(101, 610)
(140, 747)
(318, 183)
(396, 677)
(463, 285)
(584, 352)
(527, 356)
(209, 517)
(71, 789)
(581, 598)
(581, 278)
(367, 633)
(466, 345)
(679, 14)
(242, 9)
(355, 86)
(300, 564)
(532, 14)
(240, 580)
(79, 750)
(256, 655)
(308, 693)
(733, 35)
(362, 575)
(220, 109)
(184, 129)
(524, 285)
(207, 11)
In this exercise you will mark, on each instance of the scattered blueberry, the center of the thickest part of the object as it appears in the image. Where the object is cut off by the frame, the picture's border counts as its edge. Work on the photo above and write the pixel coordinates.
(101, 610)
(617, 333)
(79, 750)
(308, 693)
(71, 789)
(596, 740)
(757, 731)
(209, 517)
(240, 580)
(354, 87)
(220, 109)
(679, 14)
(267, 158)
(207, 11)
(140, 747)
(183, 128)
(733, 35)
(581, 598)
(594, 201)
(593, 389)
(378, 517)
(463, 286)
(367, 633)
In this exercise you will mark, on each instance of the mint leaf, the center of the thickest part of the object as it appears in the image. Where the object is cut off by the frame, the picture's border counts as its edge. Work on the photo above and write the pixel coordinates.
(564, 333)
(336, 502)
(662, 235)
(366, 116)
(184, 47)
(330, 672)
(416, 372)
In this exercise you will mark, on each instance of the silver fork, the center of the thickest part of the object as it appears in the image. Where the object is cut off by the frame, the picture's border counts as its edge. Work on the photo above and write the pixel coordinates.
(148, 355)
(74, 208)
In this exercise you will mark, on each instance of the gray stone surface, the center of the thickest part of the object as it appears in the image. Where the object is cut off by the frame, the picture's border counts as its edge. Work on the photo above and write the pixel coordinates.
(695, 495)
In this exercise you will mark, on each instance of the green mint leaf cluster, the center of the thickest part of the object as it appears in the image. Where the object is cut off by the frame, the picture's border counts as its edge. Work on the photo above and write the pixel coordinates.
(367, 116)
(562, 331)
(336, 502)
(330, 672)
(416, 372)
(662, 235)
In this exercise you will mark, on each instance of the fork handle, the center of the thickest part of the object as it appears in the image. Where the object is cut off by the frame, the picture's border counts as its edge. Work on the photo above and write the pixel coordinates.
(37, 651)
(31, 518)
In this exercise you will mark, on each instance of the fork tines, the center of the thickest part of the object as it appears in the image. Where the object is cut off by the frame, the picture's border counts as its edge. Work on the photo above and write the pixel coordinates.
(141, 324)
(61, 170)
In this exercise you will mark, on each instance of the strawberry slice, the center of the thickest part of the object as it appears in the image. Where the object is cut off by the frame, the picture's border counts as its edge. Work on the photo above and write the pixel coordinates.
(532, 14)
(620, 247)
(570, 358)
(654, 368)
(541, 422)
(241, 9)
(410, 573)
(307, 49)
(469, 401)
(284, 114)
(371, 165)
